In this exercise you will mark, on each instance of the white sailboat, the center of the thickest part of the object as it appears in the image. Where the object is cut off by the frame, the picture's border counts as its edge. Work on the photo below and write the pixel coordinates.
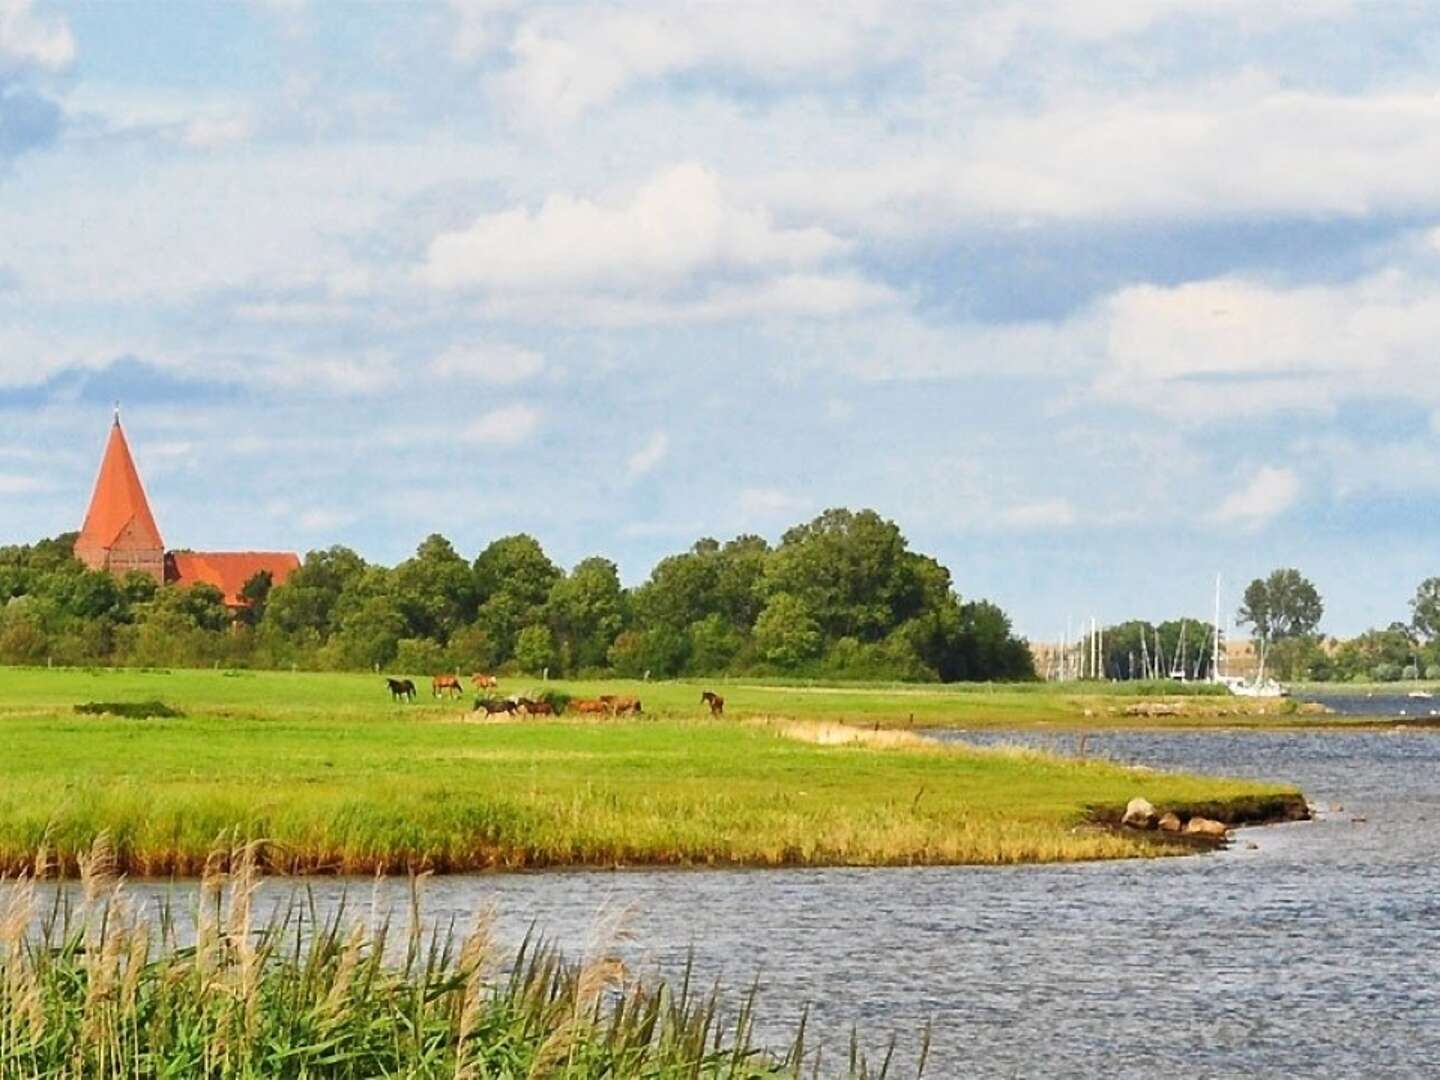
(1258, 687)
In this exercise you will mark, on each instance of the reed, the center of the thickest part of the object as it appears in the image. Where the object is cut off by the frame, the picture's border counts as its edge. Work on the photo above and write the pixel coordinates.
(91, 988)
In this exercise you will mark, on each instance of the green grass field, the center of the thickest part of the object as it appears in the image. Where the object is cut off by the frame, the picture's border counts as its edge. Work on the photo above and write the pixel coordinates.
(1071, 706)
(339, 779)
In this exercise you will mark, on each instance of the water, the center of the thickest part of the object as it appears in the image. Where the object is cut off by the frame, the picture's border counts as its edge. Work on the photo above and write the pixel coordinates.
(1312, 955)
(1393, 705)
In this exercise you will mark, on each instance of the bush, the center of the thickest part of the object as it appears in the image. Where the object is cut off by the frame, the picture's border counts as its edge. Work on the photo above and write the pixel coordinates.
(131, 710)
(422, 656)
(1386, 672)
(1433, 673)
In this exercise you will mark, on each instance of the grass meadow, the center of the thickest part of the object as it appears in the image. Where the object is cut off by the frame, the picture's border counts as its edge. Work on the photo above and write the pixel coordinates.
(335, 778)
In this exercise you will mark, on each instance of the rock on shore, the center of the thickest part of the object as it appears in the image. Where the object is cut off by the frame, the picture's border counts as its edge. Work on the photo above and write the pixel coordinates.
(1140, 814)
(1199, 826)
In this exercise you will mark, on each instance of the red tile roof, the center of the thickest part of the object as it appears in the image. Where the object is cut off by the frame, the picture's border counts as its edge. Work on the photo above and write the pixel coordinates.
(118, 500)
(228, 571)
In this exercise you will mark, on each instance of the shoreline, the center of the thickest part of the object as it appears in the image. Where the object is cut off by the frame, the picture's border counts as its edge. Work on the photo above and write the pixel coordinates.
(270, 860)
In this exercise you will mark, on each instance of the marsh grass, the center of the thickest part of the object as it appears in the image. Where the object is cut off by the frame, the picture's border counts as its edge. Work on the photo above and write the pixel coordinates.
(345, 786)
(90, 987)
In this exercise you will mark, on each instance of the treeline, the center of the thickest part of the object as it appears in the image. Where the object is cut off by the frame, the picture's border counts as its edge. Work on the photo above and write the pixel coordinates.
(842, 596)
(1283, 611)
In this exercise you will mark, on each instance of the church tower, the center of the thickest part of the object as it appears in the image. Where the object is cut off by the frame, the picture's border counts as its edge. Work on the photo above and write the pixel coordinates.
(119, 534)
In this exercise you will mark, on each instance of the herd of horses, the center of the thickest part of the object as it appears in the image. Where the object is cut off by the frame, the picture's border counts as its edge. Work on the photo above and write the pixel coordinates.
(449, 686)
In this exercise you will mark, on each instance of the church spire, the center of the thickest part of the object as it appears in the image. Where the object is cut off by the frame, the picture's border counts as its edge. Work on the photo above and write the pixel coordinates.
(120, 533)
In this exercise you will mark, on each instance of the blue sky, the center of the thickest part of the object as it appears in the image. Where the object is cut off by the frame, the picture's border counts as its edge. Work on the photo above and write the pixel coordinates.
(1096, 300)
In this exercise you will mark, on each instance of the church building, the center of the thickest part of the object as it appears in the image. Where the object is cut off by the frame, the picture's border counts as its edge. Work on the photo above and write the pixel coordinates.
(120, 535)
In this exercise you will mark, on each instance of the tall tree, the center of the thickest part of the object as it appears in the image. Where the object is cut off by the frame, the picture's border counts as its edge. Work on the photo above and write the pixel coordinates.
(1286, 606)
(851, 571)
(587, 611)
(1425, 609)
(435, 590)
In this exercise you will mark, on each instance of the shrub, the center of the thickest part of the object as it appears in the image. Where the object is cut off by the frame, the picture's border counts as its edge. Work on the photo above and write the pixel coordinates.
(1386, 672)
(130, 710)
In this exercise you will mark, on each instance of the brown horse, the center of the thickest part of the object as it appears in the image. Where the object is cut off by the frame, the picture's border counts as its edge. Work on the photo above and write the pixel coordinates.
(589, 705)
(715, 701)
(623, 706)
(446, 684)
(491, 706)
(482, 680)
(535, 708)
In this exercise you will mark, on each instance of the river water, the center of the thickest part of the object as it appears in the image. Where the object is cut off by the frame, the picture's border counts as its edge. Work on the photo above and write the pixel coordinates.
(1305, 950)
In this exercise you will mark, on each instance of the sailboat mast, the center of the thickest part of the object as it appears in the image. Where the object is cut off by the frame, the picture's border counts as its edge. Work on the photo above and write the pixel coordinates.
(1215, 655)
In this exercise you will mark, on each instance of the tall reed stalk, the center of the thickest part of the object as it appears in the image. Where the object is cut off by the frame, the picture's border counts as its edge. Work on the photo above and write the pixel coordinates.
(95, 988)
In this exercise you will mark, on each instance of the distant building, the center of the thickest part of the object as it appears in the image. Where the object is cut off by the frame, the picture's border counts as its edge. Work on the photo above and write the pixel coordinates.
(120, 535)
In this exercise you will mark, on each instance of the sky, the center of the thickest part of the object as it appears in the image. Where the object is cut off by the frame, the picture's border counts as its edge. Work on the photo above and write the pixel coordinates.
(1095, 300)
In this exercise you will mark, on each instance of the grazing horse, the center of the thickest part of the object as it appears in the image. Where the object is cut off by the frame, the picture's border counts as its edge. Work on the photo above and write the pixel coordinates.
(590, 705)
(715, 701)
(491, 706)
(445, 684)
(401, 689)
(622, 706)
(483, 681)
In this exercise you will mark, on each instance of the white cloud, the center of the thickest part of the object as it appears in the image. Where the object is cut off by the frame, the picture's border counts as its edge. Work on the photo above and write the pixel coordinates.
(679, 223)
(650, 455)
(1045, 514)
(28, 357)
(17, 484)
(31, 40)
(217, 129)
(1268, 494)
(500, 364)
(1237, 145)
(477, 25)
(570, 60)
(1232, 347)
(770, 503)
(1357, 466)
(318, 519)
(505, 426)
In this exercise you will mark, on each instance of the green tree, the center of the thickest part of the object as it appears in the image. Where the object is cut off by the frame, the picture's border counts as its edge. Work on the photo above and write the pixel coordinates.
(587, 611)
(852, 573)
(534, 649)
(1281, 607)
(516, 566)
(312, 593)
(435, 590)
(713, 644)
(1425, 609)
(659, 651)
(370, 634)
(256, 593)
(473, 649)
(786, 634)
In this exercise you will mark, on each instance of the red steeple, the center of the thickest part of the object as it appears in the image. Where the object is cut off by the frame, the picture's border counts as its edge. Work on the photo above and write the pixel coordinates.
(119, 533)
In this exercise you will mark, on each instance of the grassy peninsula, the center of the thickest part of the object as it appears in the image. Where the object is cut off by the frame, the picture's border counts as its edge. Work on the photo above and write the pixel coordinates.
(338, 779)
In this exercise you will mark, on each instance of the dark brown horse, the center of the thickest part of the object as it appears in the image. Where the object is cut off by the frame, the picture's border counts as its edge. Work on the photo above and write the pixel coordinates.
(491, 706)
(715, 701)
(401, 689)
(535, 708)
